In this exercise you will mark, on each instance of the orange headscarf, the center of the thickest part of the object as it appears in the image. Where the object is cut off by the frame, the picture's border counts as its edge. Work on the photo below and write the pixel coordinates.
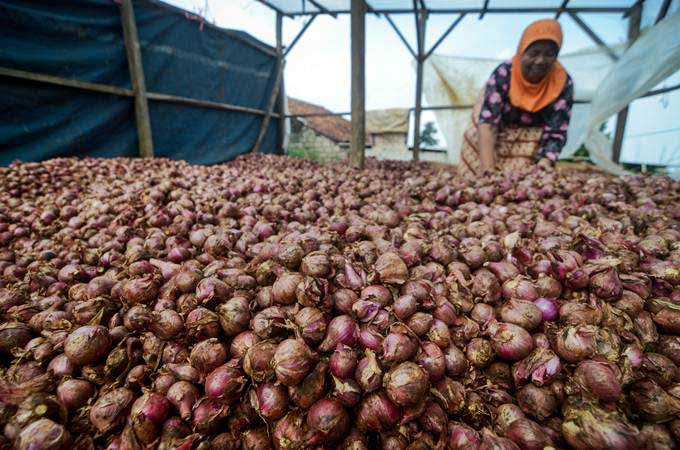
(536, 96)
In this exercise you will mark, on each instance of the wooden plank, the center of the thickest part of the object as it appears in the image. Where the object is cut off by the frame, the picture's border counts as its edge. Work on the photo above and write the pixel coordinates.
(282, 90)
(443, 36)
(134, 58)
(621, 119)
(663, 10)
(205, 104)
(422, 22)
(59, 81)
(270, 108)
(358, 48)
(401, 36)
(105, 89)
(299, 35)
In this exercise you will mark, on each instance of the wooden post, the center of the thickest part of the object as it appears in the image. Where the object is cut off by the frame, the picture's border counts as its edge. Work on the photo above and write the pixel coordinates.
(422, 21)
(270, 107)
(358, 38)
(134, 58)
(622, 117)
(282, 89)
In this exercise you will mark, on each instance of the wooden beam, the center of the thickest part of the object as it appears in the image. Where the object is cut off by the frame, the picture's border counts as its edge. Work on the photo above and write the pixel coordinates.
(662, 11)
(526, 10)
(282, 90)
(134, 59)
(563, 6)
(320, 114)
(600, 43)
(205, 104)
(270, 108)
(58, 81)
(278, 10)
(484, 9)
(299, 35)
(113, 90)
(401, 36)
(323, 8)
(358, 46)
(633, 32)
(446, 33)
(422, 23)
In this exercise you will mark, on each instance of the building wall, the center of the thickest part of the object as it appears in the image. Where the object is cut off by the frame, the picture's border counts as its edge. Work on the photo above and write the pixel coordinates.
(387, 145)
(393, 146)
(308, 143)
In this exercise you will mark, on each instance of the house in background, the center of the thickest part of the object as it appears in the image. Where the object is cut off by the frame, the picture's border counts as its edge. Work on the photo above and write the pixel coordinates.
(324, 138)
(327, 138)
(387, 133)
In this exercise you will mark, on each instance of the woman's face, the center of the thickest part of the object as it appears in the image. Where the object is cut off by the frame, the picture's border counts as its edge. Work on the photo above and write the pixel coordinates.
(538, 59)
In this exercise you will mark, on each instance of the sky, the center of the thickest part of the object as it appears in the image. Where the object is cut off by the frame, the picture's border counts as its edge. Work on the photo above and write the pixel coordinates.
(318, 67)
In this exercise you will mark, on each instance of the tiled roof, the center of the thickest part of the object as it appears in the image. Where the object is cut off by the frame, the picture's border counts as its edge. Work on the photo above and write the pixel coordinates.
(335, 128)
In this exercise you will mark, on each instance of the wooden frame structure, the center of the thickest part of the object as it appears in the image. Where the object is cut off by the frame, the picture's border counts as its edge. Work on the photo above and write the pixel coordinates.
(141, 96)
(421, 12)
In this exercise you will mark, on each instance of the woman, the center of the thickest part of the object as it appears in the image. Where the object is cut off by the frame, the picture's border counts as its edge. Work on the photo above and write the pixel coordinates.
(523, 113)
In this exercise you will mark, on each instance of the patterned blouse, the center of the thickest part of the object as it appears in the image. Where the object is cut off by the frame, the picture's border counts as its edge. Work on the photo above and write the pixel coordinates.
(554, 118)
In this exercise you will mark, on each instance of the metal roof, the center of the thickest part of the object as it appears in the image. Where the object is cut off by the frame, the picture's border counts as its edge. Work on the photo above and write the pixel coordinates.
(334, 7)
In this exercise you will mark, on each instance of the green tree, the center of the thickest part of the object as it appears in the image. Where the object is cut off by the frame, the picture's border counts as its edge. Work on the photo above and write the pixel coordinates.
(427, 135)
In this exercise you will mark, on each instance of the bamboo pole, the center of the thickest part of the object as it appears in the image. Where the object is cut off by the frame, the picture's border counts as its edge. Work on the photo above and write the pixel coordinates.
(134, 57)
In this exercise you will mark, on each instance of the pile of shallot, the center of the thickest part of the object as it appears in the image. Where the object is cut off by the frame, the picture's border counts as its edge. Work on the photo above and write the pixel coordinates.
(272, 303)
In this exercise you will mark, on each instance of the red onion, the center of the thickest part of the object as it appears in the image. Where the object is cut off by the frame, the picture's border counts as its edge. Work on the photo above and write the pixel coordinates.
(432, 359)
(462, 437)
(406, 384)
(510, 341)
(522, 313)
(234, 315)
(284, 288)
(506, 415)
(226, 382)
(208, 355)
(536, 402)
(528, 435)
(548, 308)
(587, 426)
(377, 413)
(208, 415)
(370, 338)
(147, 415)
(270, 401)
(292, 361)
(492, 442)
(87, 344)
(398, 347)
(519, 288)
(599, 377)
(44, 434)
(327, 420)
(74, 393)
(312, 386)
(257, 360)
(341, 330)
(391, 269)
(343, 361)
(541, 367)
(503, 270)
(368, 373)
(290, 432)
(183, 396)
(111, 409)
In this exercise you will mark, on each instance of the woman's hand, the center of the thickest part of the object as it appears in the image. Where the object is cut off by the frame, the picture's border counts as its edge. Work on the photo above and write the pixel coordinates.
(545, 163)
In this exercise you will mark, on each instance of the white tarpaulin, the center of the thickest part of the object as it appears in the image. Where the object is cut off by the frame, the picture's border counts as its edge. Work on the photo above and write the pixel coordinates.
(609, 86)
